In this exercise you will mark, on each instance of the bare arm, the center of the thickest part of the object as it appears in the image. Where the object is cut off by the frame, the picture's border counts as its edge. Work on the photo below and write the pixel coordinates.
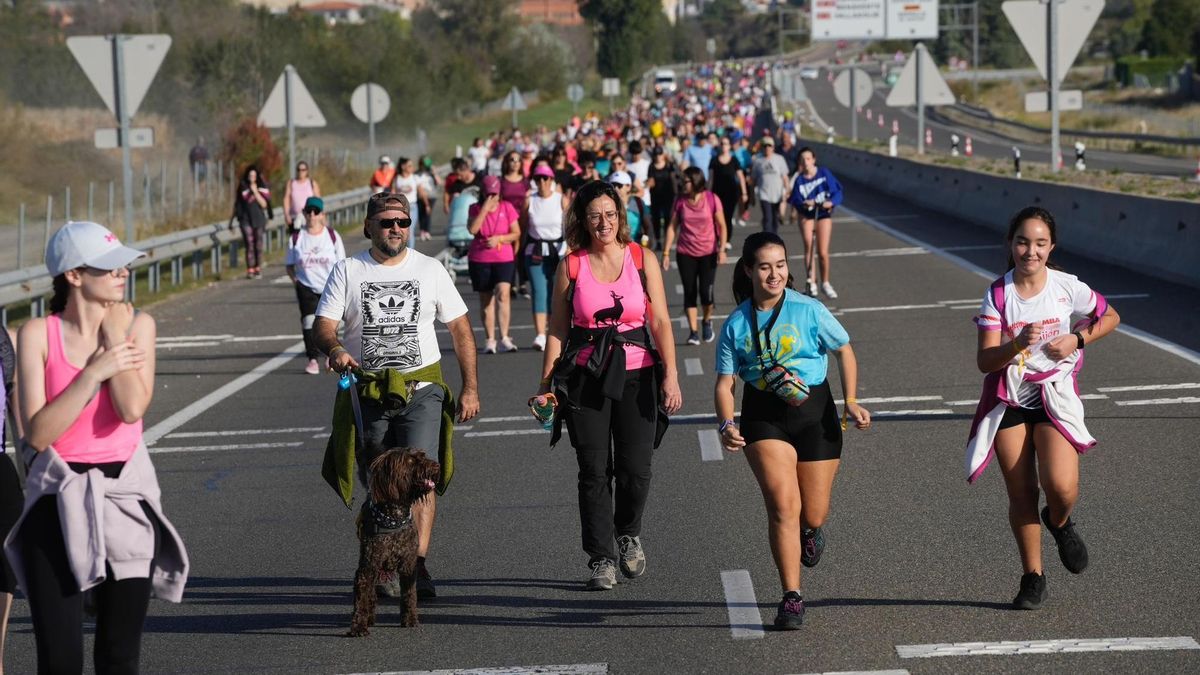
(560, 323)
(325, 334)
(848, 371)
(132, 390)
(668, 240)
(723, 401)
(316, 189)
(463, 338)
(287, 202)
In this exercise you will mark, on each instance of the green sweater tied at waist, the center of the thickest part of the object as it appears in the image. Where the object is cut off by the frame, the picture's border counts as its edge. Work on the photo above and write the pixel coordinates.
(392, 388)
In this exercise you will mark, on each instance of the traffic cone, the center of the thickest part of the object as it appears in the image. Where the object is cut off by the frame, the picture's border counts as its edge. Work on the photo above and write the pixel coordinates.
(868, 113)
(881, 121)
(969, 150)
(895, 126)
(929, 137)
(1198, 170)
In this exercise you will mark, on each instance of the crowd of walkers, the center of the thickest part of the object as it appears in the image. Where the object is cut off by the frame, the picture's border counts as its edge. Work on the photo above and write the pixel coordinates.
(588, 220)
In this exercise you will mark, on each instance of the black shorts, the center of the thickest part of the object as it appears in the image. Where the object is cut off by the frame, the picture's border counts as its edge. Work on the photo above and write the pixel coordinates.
(816, 213)
(485, 276)
(11, 502)
(1016, 415)
(813, 429)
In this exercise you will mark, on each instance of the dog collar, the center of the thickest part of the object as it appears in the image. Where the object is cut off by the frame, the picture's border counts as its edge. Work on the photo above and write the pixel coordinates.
(386, 519)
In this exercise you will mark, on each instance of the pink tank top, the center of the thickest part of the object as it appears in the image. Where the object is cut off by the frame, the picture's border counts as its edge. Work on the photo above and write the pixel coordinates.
(98, 435)
(597, 305)
(301, 191)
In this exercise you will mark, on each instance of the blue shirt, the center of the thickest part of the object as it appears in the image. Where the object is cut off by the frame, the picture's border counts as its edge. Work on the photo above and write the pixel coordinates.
(699, 157)
(801, 339)
(821, 188)
(744, 157)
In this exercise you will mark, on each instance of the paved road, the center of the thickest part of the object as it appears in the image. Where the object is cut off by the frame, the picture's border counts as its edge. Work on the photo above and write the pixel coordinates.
(915, 556)
(990, 144)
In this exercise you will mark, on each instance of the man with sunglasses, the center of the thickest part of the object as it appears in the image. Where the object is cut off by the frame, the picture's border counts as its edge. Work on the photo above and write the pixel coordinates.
(389, 297)
(310, 258)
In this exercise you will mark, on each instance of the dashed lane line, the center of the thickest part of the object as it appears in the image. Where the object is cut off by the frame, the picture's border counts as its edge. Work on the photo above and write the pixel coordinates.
(506, 432)
(1162, 401)
(241, 432)
(568, 669)
(1015, 647)
(692, 366)
(710, 446)
(745, 621)
(1150, 387)
(158, 450)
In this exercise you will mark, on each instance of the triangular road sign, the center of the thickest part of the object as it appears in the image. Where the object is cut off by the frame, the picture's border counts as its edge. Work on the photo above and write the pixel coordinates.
(142, 55)
(1075, 21)
(934, 90)
(305, 112)
(514, 101)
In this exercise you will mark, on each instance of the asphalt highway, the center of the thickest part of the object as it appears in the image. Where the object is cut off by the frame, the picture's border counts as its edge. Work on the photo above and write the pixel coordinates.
(915, 556)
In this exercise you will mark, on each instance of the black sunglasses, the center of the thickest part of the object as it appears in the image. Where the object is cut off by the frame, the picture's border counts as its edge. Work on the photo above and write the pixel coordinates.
(389, 223)
(312, 212)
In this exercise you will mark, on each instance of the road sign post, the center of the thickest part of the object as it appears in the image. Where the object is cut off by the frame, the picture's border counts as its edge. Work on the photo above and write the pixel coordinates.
(370, 103)
(920, 84)
(514, 102)
(574, 95)
(853, 88)
(118, 59)
(290, 105)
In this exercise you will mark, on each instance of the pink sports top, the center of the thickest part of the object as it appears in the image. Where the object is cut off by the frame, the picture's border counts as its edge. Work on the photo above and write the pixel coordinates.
(98, 435)
(598, 305)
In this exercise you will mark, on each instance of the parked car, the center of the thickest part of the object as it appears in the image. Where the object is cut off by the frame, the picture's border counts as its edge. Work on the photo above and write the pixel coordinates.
(664, 82)
(810, 72)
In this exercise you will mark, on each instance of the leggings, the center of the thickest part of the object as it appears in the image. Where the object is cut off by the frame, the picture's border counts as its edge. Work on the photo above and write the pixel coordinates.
(308, 299)
(612, 440)
(698, 274)
(729, 206)
(541, 280)
(254, 238)
(660, 216)
(770, 211)
(56, 604)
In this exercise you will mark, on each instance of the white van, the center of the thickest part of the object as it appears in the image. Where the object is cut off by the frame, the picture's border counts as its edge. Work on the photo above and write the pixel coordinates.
(664, 82)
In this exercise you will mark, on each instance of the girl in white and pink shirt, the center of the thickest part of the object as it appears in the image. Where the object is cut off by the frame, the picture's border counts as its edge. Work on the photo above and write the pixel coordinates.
(1030, 416)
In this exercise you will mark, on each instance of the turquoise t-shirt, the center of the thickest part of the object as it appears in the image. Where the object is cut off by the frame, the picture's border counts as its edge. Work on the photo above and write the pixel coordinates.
(801, 339)
(633, 215)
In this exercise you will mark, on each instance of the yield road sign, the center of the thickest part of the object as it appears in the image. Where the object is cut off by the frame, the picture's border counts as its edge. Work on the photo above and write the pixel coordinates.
(934, 90)
(610, 86)
(139, 137)
(305, 112)
(374, 110)
(862, 88)
(1039, 101)
(1075, 21)
(514, 101)
(143, 54)
(574, 93)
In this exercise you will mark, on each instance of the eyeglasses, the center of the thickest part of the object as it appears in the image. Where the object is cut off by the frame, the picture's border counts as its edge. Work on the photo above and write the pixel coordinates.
(312, 212)
(389, 223)
(302, 168)
(594, 218)
(97, 272)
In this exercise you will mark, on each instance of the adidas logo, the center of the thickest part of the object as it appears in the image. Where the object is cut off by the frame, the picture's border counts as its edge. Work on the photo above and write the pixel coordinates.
(391, 304)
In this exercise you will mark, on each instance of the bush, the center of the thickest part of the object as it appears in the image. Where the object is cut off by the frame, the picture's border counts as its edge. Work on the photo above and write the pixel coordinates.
(1157, 70)
(246, 143)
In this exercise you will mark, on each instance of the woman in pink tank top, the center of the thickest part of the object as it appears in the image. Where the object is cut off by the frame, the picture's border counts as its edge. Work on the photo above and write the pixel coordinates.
(614, 386)
(85, 379)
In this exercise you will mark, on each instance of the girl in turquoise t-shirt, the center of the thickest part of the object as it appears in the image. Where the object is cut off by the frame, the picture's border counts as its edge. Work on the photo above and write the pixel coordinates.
(777, 342)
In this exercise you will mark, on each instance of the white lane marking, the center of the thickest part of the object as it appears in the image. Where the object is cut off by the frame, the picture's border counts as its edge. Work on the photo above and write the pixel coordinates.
(1161, 401)
(967, 301)
(198, 407)
(513, 418)
(192, 338)
(678, 289)
(1136, 333)
(891, 308)
(863, 672)
(1013, 647)
(692, 366)
(1093, 397)
(507, 432)
(261, 338)
(912, 413)
(965, 401)
(871, 253)
(972, 247)
(570, 669)
(683, 322)
(710, 446)
(242, 432)
(181, 345)
(1150, 387)
(898, 399)
(214, 448)
(745, 621)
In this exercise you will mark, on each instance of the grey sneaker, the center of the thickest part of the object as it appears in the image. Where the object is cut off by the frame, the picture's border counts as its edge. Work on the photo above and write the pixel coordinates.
(604, 575)
(389, 584)
(633, 558)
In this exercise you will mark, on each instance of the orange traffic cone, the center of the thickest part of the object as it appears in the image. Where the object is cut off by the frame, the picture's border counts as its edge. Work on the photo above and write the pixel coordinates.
(969, 150)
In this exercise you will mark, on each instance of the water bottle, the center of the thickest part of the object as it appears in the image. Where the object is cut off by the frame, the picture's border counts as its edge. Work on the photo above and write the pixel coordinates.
(542, 407)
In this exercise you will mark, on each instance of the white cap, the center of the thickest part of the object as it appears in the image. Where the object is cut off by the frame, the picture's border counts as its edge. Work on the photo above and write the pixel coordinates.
(619, 178)
(385, 160)
(84, 244)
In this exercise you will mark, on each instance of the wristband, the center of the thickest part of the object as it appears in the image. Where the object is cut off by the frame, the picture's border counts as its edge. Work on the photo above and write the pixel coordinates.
(544, 381)
(850, 400)
(725, 424)
(1079, 338)
(333, 352)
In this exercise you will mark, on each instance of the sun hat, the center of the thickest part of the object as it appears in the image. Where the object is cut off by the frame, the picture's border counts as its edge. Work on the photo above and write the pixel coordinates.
(619, 178)
(543, 171)
(491, 185)
(87, 244)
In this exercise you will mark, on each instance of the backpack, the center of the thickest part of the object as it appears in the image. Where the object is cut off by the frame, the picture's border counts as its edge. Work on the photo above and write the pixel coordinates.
(635, 251)
(332, 236)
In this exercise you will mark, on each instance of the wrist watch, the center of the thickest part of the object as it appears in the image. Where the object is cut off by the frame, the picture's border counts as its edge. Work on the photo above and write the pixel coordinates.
(1079, 338)
(724, 424)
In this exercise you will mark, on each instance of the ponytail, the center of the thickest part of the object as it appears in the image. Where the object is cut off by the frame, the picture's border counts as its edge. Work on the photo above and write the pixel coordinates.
(62, 289)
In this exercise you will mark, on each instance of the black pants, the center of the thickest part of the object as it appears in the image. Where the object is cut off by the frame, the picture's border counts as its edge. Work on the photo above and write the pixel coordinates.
(770, 211)
(612, 439)
(660, 217)
(56, 604)
(730, 201)
(308, 299)
(698, 274)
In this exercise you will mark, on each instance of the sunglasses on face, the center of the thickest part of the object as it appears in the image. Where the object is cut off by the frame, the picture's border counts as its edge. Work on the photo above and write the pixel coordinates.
(389, 223)
(312, 212)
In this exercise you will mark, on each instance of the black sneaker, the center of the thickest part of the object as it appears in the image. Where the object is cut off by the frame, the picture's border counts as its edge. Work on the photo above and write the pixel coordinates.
(1071, 548)
(791, 612)
(425, 588)
(709, 336)
(1033, 591)
(812, 544)
(693, 338)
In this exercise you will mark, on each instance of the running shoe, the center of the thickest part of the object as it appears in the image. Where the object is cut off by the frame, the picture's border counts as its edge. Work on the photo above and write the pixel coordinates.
(507, 345)
(728, 246)
(827, 288)
(1033, 591)
(791, 612)
(312, 368)
(425, 588)
(389, 584)
(810, 288)
(539, 343)
(633, 558)
(707, 327)
(812, 545)
(1071, 549)
(693, 338)
(489, 347)
(524, 291)
(604, 575)
(425, 235)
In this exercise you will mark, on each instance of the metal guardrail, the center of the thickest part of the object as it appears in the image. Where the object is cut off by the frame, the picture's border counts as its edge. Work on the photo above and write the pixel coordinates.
(985, 115)
(209, 243)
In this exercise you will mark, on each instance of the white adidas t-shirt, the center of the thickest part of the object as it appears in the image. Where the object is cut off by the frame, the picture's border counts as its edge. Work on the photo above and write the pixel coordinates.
(389, 310)
(312, 256)
(1063, 296)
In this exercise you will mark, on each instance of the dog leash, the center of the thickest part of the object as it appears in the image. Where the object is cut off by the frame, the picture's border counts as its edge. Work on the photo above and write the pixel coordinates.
(347, 382)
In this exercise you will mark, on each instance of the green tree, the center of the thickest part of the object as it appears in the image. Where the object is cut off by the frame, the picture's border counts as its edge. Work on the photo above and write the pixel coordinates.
(1168, 30)
(627, 34)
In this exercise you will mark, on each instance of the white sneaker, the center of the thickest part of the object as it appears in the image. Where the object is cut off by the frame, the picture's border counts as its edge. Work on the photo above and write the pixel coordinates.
(312, 368)
(489, 347)
(507, 345)
(811, 286)
(539, 343)
(828, 290)
(728, 246)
